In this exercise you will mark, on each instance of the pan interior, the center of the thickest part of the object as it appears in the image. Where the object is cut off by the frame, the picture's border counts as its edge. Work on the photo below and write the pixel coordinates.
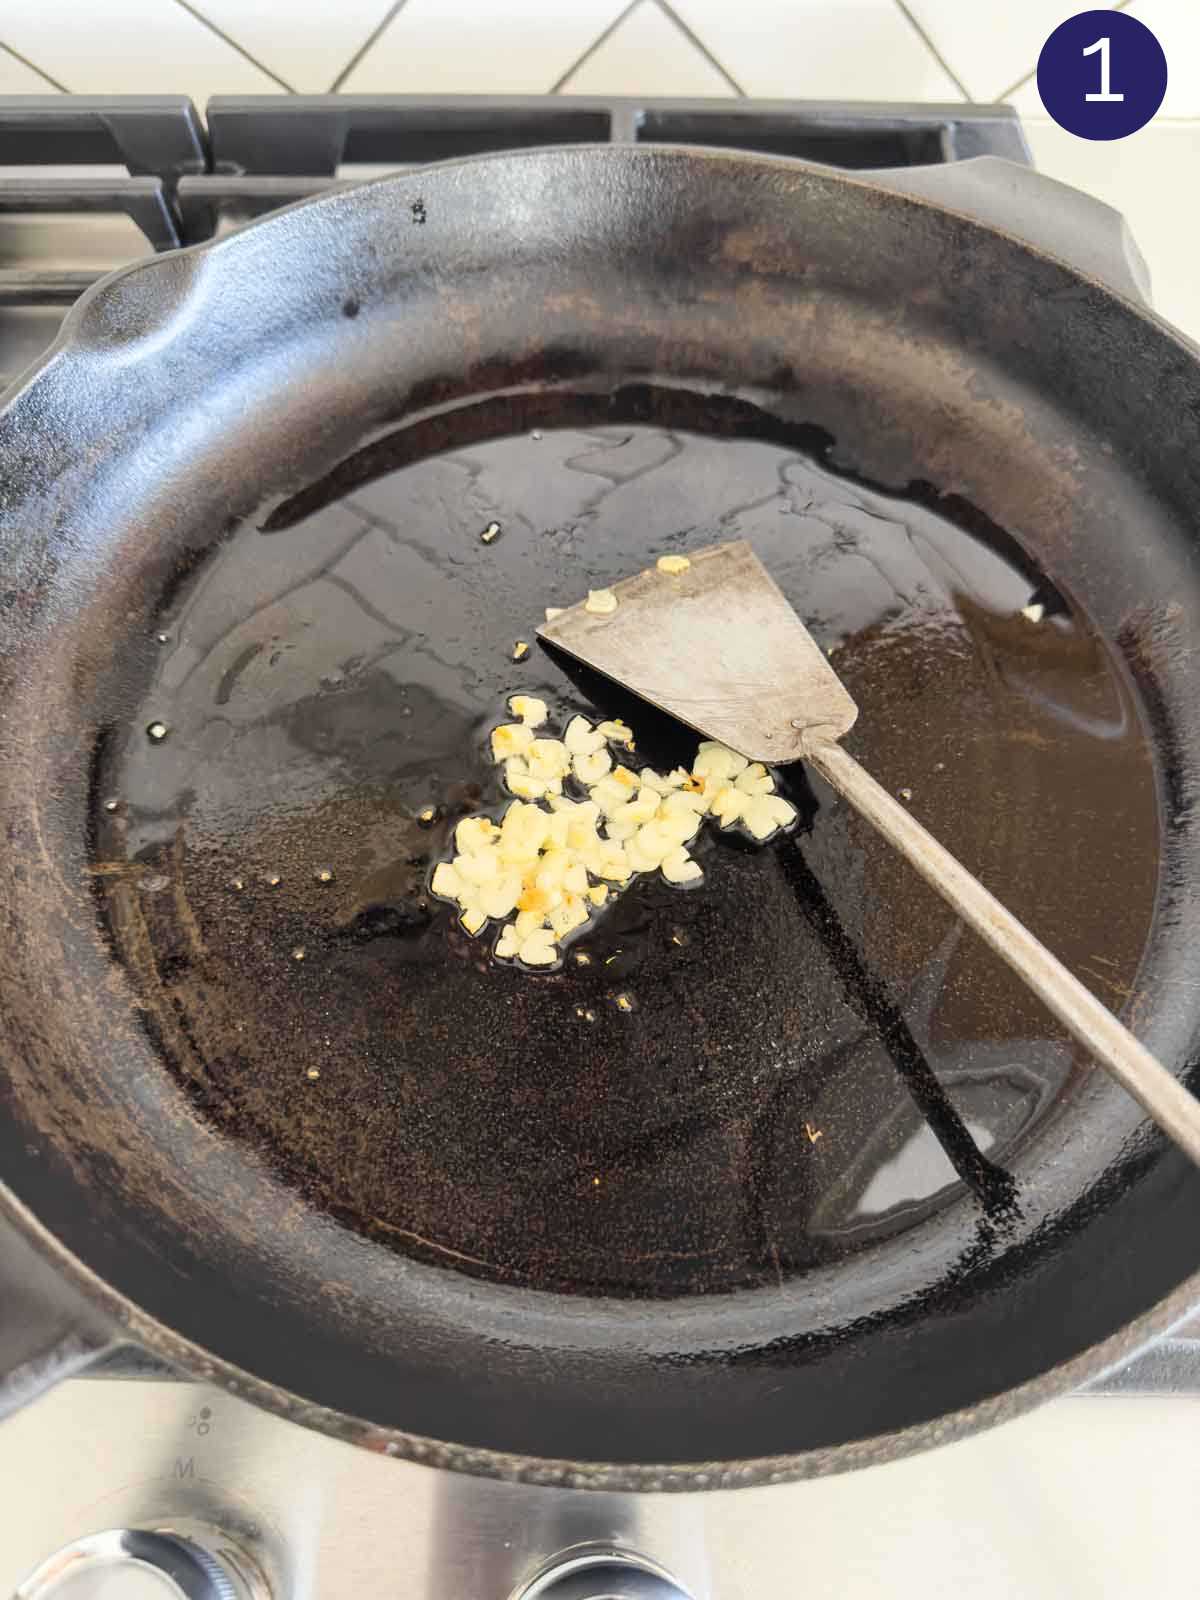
(334, 667)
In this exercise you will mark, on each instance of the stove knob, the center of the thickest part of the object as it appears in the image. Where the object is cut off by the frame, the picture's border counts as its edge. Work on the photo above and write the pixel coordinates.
(599, 1574)
(147, 1564)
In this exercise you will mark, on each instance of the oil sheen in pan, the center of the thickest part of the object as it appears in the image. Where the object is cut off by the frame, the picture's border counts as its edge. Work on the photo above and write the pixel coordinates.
(325, 677)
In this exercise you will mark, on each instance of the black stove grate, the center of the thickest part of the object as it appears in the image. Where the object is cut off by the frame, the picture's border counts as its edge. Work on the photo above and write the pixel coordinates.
(252, 143)
(181, 180)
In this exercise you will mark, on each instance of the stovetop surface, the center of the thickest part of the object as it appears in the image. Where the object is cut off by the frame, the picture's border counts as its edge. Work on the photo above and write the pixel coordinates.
(1088, 1497)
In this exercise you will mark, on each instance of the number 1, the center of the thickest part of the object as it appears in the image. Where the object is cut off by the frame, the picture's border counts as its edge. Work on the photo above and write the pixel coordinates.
(1102, 45)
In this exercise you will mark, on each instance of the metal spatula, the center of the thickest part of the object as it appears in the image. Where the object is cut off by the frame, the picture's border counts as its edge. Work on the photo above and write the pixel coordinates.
(720, 648)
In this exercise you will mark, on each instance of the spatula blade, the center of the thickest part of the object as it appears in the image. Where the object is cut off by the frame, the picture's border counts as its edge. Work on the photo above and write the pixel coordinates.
(719, 647)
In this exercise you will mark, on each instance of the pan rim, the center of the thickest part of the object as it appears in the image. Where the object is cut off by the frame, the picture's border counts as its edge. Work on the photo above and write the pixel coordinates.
(159, 1336)
(134, 1326)
(75, 322)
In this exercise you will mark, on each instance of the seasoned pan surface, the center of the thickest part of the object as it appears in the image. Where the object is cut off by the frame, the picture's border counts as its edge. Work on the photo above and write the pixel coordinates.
(325, 681)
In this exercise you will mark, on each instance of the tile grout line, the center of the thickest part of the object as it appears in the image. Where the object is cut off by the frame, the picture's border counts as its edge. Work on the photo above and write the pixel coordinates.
(198, 16)
(694, 38)
(601, 38)
(937, 55)
(1013, 87)
(385, 22)
(25, 62)
(1121, 5)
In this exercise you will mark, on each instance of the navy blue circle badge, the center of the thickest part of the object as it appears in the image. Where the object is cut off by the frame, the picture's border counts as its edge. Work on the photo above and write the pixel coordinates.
(1102, 74)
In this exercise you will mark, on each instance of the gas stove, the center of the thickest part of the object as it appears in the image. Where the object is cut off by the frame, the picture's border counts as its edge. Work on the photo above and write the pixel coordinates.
(134, 1476)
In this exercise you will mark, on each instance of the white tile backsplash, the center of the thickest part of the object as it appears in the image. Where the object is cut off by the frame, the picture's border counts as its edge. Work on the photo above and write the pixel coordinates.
(647, 53)
(306, 42)
(128, 47)
(1176, 25)
(820, 49)
(484, 47)
(992, 48)
(17, 78)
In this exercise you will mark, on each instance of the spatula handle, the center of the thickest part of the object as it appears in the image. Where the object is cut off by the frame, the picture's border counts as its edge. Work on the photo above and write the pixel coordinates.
(1163, 1097)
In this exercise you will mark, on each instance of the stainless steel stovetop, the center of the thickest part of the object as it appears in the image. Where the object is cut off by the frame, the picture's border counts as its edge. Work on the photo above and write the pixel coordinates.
(1091, 1497)
(135, 1480)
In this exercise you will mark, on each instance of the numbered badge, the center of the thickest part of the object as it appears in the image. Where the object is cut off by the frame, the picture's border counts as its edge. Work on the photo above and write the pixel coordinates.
(1102, 75)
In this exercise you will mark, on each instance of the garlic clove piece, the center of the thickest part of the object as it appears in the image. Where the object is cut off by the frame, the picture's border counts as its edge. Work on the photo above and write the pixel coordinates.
(679, 867)
(601, 602)
(539, 949)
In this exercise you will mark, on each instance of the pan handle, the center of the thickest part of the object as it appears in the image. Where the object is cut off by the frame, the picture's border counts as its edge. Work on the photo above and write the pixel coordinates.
(1051, 216)
(48, 1330)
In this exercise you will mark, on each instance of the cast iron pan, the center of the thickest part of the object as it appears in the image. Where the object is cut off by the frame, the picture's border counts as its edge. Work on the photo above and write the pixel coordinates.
(834, 1187)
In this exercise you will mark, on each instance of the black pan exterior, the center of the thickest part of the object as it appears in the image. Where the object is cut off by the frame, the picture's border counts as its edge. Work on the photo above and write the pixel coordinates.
(188, 392)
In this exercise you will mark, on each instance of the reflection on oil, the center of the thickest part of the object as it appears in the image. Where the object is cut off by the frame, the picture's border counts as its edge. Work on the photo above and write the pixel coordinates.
(793, 1028)
(903, 1166)
(921, 1169)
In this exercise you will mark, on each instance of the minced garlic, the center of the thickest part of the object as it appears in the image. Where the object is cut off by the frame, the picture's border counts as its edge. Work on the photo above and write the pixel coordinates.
(531, 711)
(554, 860)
